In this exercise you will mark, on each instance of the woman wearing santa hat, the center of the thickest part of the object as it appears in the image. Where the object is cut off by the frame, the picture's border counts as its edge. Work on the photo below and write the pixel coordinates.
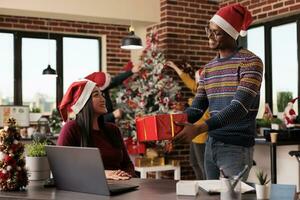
(85, 99)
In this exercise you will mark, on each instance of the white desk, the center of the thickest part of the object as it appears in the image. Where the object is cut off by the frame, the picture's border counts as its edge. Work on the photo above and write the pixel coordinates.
(158, 170)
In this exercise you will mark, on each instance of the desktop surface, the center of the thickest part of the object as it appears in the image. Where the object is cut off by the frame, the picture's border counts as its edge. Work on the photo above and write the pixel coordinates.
(149, 189)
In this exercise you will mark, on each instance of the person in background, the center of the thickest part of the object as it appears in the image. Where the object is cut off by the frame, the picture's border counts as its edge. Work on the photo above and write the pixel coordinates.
(197, 146)
(230, 87)
(113, 82)
(85, 99)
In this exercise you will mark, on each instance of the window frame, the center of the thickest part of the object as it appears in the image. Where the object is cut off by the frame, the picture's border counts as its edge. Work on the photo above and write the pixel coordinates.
(18, 35)
(268, 52)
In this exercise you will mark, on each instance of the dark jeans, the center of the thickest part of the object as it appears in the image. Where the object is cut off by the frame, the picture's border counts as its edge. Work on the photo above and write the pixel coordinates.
(197, 160)
(231, 158)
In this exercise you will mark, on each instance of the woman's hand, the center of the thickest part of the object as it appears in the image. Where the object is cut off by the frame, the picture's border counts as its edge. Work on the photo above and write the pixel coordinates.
(117, 175)
(173, 66)
(136, 67)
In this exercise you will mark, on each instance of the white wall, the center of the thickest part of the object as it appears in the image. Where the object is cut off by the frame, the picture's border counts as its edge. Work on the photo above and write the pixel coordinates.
(104, 11)
(287, 166)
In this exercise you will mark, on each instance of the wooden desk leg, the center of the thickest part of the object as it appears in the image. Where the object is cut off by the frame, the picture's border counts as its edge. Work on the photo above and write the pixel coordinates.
(177, 173)
(273, 163)
(143, 174)
(157, 175)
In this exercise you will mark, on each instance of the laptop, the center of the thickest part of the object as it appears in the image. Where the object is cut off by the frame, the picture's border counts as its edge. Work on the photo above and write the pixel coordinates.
(80, 169)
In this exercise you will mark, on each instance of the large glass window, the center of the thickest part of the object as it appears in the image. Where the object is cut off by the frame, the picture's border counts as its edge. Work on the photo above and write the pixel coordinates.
(284, 64)
(23, 57)
(6, 68)
(255, 43)
(38, 91)
(80, 58)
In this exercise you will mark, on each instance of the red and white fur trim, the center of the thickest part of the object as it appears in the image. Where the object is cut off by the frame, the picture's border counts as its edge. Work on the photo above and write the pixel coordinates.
(223, 24)
(107, 81)
(85, 95)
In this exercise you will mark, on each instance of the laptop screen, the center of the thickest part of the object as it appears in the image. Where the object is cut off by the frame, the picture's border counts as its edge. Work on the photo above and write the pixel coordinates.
(78, 169)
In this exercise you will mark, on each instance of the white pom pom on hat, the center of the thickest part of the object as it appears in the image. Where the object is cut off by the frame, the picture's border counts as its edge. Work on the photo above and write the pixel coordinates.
(234, 19)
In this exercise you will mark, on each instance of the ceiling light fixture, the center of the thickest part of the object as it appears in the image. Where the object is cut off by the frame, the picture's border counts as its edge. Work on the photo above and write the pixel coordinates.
(49, 70)
(131, 41)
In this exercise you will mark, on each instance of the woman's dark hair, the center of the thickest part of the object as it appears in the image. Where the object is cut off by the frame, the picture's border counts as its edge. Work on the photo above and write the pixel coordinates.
(84, 120)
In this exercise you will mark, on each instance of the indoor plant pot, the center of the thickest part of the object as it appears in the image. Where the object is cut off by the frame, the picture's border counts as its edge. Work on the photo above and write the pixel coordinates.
(37, 161)
(262, 189)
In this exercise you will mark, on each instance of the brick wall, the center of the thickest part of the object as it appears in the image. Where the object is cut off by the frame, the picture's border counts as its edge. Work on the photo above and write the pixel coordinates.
(116, 57)
(182, 38)
(266, 10)
(182, 32)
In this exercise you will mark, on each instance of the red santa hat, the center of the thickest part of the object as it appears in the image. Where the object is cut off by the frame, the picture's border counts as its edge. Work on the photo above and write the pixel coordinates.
(102, 79)
(234, 19)
(76, 97)
(80, 91)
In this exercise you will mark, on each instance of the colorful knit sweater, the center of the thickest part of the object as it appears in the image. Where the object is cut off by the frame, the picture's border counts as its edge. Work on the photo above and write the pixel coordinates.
(229, 87)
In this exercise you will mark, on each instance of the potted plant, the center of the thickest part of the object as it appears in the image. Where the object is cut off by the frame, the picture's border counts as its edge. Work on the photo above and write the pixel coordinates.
(37, 161)
(262, 189)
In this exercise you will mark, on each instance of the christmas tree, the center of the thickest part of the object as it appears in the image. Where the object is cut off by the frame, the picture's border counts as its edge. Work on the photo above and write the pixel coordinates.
(13, 175)
(150, 91)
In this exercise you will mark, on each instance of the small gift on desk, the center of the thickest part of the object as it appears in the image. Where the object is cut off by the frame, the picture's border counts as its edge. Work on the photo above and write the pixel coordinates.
(158, 127)
(134, 147)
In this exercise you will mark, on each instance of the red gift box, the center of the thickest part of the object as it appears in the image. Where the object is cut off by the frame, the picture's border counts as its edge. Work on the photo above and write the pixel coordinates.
(158, 127)
(134, 147)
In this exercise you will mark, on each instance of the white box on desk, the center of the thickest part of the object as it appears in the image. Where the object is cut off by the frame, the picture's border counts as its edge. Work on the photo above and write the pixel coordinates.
(187, 188)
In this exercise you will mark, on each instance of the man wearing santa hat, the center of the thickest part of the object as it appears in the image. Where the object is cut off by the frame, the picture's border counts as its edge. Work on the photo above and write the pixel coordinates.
(85, 99)
(229, 87)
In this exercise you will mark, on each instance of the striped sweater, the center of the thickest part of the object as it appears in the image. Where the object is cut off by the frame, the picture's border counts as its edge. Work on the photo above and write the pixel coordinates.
(229, 87)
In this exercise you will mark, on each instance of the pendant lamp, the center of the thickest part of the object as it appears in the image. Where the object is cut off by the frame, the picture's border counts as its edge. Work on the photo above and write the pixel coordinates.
(131, 41)
(49, 70)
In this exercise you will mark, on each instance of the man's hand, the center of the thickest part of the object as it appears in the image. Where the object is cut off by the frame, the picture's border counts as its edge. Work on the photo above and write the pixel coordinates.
(136, 68)
(118, 113)
(117, 175)
(189, 132)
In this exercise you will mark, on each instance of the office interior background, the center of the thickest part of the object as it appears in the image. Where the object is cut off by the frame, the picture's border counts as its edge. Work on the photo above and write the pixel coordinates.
(78, 37)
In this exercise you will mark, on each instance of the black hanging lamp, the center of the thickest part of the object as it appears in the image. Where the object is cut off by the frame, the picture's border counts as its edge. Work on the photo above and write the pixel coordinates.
(131, 41)
(49, 70)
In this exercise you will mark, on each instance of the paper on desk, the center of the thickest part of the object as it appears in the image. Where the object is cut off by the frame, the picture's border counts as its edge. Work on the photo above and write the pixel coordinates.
(214, 186)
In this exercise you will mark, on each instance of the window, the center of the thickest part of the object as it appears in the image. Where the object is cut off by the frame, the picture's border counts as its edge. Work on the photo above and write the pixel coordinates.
(23, 57)
(256, 41)
(7, 68)
(38, 91)
(277, 43)
(81, 57)
(284, 62)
